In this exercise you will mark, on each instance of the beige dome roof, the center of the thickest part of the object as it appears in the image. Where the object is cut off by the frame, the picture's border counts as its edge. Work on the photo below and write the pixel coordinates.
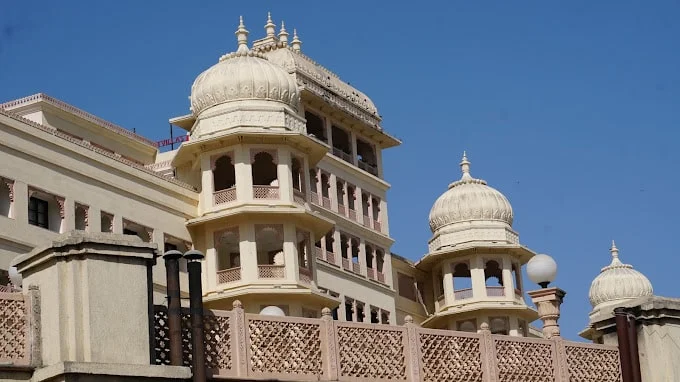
(617, 282)
(243, 75)
(469, 199)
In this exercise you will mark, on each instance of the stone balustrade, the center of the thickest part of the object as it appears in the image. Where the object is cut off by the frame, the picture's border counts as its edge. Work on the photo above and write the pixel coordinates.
(19, 328)
(250, 346)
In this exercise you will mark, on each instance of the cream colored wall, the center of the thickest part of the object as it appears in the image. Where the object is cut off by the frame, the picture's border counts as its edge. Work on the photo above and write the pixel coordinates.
(403, 305)
(35, 158)
(661, 365)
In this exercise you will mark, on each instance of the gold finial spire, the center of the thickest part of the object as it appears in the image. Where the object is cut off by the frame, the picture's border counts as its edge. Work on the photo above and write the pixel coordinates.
(296, 41)
(242, 36)
(270, 27)
(465, 167)
(283, 34)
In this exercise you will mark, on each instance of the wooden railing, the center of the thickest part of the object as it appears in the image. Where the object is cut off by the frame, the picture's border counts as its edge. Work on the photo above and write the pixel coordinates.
(243, 346)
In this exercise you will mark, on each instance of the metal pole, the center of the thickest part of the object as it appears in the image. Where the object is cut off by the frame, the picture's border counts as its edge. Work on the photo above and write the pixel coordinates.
(172, 141)
(633, 341)
(196, 310)
(174, 306)
(624, 344)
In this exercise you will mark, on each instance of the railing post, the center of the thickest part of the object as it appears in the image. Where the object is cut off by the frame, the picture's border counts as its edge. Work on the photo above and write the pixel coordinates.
(488, 352)
(412, 350)
(560, 360)
(330, 345)
(238, 348)
(33, 304)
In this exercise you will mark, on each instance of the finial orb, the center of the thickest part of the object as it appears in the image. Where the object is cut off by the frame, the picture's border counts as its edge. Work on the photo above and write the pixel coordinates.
(542, 269)
(237, 304)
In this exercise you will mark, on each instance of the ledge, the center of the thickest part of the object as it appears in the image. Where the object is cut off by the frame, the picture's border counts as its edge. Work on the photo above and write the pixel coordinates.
(97, 370)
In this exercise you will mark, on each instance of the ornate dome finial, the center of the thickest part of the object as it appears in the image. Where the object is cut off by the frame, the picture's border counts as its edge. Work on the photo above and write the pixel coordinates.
(270, 27)
(465, 167)
(283, 34)
(296, 41)
(618, 282)
(242, 36)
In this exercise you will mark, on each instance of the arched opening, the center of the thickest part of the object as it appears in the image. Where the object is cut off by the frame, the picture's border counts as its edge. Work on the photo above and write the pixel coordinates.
(380, 261)
(467, 326)
(81, 217)
(344, 251)
(517, 277)
(369, 258)
(342, 145)
(351, 201)
(314, 186)
(265, 176)
(325, 190)
(330, 253)
(375, 205)
(355, 255)
(493, 277)
(298, 178)
(340, 195)
(270, 256)
(6, 197)
(499, 325)
(366, 157)
(303, 249)
(462, 281)
(315, 126)
(224, 173)
(106, 221)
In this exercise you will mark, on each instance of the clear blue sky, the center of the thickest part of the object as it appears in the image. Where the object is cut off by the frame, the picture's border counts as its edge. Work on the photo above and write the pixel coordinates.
(569, 108)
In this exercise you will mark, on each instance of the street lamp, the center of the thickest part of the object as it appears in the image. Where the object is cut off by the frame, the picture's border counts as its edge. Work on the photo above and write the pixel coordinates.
(542, 269)
(272, 310)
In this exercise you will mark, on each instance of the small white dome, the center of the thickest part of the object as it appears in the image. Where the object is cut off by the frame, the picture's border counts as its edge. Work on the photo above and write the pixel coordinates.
(243, 75)
(617, 282)
(469, 199)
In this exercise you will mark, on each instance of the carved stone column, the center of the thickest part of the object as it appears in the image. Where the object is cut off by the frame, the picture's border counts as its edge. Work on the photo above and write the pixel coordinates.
(548, 301)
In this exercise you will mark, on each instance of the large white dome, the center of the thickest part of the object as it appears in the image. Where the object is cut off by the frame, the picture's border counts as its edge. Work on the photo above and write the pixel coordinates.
(618, 282)
(469, 199)
(243, 75)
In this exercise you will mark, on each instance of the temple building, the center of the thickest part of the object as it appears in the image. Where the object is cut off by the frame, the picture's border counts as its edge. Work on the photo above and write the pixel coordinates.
(280, 184)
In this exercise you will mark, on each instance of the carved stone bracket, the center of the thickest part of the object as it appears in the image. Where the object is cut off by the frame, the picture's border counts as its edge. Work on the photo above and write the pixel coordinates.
(61, 202)
(10, 186)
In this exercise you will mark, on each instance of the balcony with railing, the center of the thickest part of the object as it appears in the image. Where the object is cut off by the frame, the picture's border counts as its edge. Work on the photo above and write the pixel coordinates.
(462, 294)
(224, 196)
(369, 168)
(299, 197)
(375, 275)
(367, 221)
(305, 275)
(265, 192)
(269, 271)
(342, 155)
(230, 275)
(495, 291)
(325, 255)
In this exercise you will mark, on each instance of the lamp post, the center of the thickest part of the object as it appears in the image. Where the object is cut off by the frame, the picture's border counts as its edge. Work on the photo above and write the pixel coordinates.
(194, 258)
(174, 305)
(542, 270)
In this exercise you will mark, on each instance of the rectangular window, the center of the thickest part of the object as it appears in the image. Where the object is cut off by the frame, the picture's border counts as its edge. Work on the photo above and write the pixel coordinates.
(37, 213)
(406, 285)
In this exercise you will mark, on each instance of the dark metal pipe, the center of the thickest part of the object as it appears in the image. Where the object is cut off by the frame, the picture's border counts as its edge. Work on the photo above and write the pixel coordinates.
(624, 344)
(196, 309)
(174, 306)
(634, 355)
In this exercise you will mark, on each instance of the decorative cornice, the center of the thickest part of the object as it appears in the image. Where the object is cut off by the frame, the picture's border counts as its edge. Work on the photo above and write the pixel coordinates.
(90, 147)
(78, 112)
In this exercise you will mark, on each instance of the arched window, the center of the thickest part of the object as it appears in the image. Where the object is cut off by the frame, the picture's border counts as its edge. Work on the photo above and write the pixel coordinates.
(298, 179)
(493, 275)
(106, 222)
(224, 173)
(81, 217)
(264, 170)
(499, 325)
(462, 281)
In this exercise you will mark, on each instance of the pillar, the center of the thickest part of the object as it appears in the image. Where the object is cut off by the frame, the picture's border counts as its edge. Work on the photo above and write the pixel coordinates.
(117, 223)
(337, 249)
(206, 200)
(248, 250)
(290, 253)
(333, 191)
(244, 176)
(285, 175)
(68, 222)
(508, 282)
(210, 273)
(449, 296)
(94, 219)
(477, 277)
(353, 142)
(20, 205)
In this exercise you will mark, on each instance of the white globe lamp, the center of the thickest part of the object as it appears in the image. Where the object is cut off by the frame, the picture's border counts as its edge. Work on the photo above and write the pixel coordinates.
(272, 311)
(542, 269)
